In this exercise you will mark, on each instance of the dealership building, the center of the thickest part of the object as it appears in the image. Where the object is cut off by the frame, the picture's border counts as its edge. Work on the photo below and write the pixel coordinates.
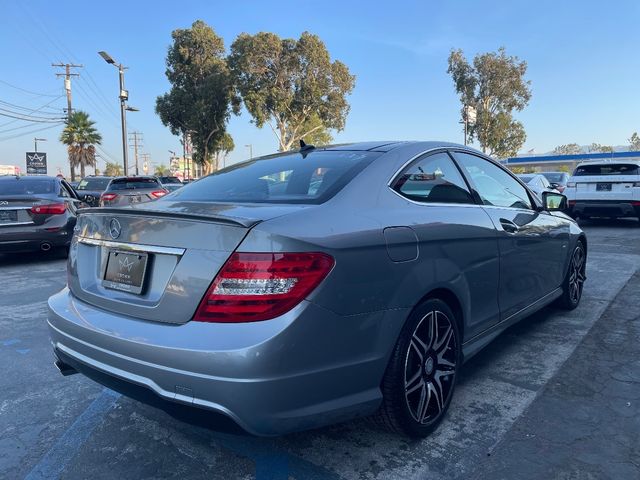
(540, 163)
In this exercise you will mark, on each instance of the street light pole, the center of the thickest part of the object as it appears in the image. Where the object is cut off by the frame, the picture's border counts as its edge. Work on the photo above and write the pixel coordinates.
(123, 119)
(35, 143)
(123, 96)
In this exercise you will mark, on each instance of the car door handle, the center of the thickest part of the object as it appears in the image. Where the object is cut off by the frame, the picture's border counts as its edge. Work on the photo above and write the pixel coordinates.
(509, 226)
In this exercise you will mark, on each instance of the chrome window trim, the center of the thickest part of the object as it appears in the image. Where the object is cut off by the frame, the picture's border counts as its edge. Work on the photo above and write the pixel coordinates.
(136, 247)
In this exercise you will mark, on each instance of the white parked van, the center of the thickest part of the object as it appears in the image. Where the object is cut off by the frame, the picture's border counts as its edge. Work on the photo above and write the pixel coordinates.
(605, 189)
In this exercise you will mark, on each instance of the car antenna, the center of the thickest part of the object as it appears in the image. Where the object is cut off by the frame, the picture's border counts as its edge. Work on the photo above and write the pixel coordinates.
(304, 148)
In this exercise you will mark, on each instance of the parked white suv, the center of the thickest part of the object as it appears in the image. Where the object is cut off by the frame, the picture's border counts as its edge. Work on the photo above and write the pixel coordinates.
(605, 189)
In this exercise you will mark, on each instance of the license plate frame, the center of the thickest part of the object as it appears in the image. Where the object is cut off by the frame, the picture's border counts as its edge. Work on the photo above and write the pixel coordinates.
(125, 271)
(8, 216)
(603, 187)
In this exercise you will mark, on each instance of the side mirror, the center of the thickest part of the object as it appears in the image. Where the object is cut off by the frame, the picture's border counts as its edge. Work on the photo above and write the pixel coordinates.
(553, 201)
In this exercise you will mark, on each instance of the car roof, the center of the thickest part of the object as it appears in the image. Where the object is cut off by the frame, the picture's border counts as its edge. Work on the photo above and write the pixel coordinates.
(609, 162)
(29, 177)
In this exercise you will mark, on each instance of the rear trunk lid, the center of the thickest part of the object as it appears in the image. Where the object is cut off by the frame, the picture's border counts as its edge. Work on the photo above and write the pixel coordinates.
(176, 248)
(607, 187)
(16, 210)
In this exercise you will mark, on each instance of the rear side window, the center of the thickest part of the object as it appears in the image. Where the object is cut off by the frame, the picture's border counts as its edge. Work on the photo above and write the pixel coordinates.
(284, 178)
(433, 179)
(607, 169)
(133, 184)
(27, 187)
(93, 183)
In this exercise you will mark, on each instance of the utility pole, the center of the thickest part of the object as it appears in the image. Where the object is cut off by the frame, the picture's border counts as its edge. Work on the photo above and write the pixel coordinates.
(67, 81)
(136, 137)
(67, 86)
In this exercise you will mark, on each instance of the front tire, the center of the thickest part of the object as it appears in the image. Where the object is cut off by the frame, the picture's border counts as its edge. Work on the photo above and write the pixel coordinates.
(419, 381)
(574, 279)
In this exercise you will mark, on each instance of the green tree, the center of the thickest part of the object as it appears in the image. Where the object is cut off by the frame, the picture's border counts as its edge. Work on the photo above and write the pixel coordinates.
(80, 136)
(160, 170)
(634, 142)
(201, 98)
(495, 86)
(568, 149)
(113, 169)
(598, 148)
(291, 85)
(222, 149)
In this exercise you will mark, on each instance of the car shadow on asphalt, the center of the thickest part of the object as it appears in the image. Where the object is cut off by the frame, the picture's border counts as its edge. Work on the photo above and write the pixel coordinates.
(24, 258)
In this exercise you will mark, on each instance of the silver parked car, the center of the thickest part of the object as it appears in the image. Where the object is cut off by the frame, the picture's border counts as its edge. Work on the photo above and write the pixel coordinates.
(306, 288)
(123, 191)
(538, 183)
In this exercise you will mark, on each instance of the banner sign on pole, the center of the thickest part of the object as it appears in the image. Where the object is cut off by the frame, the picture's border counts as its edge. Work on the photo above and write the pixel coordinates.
(36, 163)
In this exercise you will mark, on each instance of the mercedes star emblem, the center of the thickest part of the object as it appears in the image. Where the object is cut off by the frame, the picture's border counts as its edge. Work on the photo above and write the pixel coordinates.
(114, 228)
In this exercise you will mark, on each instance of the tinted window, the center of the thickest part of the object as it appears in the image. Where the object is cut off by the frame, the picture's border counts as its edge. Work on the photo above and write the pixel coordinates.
(493, 184)
(133, 184)
(431, 179)
(607, 169)
(282, 178)
(555, 177)
(165, 180)
(31, 186)
(93, 183)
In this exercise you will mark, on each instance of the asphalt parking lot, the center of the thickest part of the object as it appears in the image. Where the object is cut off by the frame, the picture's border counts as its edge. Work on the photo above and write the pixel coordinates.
(518, 411)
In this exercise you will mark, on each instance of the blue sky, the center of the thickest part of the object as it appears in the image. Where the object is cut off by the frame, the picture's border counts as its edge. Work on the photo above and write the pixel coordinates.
(582, 55)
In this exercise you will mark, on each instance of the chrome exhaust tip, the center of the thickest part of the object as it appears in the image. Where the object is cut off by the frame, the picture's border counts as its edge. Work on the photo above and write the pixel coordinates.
(45, 246)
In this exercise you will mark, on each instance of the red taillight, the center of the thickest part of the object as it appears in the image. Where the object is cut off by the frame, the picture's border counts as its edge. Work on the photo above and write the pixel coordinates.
(158, 193)
(49, 209)
(259, 286)
(108, 196)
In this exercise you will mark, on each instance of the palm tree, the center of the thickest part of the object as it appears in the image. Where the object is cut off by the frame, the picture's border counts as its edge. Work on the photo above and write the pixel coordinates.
(161, 170)
(80, 136)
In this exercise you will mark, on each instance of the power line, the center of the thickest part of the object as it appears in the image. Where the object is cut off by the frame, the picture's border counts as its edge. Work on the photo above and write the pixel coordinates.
(33, 111)
(11, 137)
(29, 119)
(28, 91)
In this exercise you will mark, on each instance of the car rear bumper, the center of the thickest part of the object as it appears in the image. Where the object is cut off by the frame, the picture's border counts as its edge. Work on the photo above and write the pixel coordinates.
(29, 238)
(607, 208)
(291, 373)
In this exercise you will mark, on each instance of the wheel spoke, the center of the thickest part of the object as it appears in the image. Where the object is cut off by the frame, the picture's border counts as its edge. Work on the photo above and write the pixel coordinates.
(445, 341)
(433, 330)
(437, 395)
(423, 403)
(414, 383)
(417, 346)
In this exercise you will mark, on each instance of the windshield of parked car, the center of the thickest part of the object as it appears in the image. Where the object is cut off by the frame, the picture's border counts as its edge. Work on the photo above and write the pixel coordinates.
(94, 183)
(31, 186)
(607, 169)
(554, 177)
(526, 178)
(312, 177)
(133, 183)
(169, 180)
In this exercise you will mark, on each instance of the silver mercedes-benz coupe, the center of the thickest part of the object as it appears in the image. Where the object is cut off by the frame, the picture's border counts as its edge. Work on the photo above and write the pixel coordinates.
(310, 287)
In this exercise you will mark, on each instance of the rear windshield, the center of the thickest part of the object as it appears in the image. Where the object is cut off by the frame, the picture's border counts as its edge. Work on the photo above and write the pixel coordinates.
(283, 178)
(607, 169)
(27, 187)
(96, 183)
(554, 177)
(133, 183)
(170, 180)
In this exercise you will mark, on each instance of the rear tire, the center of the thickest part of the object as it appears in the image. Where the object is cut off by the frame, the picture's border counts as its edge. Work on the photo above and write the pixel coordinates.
(574, 279)
(420, 379)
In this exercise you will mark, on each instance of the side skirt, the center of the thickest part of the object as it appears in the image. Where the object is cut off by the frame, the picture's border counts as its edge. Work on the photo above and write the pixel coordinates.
(477, 343)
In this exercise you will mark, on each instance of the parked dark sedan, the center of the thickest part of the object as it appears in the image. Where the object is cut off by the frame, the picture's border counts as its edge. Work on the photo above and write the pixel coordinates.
(36, 213)
(123, 191)
(90, 189)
